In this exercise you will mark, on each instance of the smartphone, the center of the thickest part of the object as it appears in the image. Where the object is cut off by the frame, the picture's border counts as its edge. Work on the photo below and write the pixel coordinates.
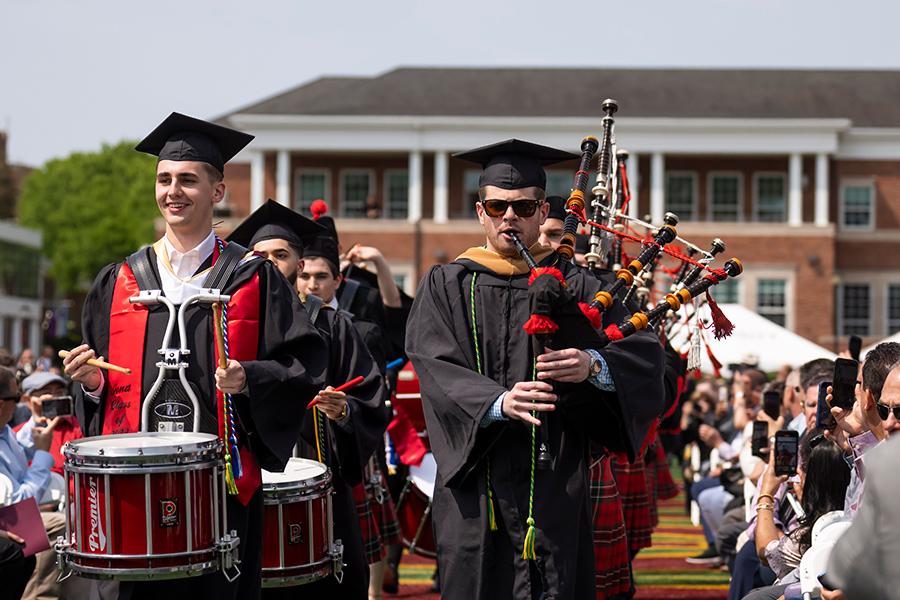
(760, 439)
(824, 418)
(58, 406)
(846, 371)
(855, 347)
(772, 404)
(786, 450)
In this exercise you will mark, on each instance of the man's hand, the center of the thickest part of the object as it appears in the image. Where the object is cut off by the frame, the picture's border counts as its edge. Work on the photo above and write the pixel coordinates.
(526, 396)
(231, 379)
(331, 403)
(835, 595)
(569, 365)
(773, 424)
(861, 418)
(710, 436)
(76, 367)
(359, 255)
(9, 535)
(43, 436)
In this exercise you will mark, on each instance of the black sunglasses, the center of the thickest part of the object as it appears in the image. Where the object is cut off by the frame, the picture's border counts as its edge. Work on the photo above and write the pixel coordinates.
(884, 410)
(522, 208)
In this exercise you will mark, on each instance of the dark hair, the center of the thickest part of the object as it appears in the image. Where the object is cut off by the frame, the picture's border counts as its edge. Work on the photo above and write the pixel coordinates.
(815, 372)
(827, 478)
(6, 359)
(774, 386)
(7, 380)
(879, 362)
(541, 194)
(757, 378)
(215, 175)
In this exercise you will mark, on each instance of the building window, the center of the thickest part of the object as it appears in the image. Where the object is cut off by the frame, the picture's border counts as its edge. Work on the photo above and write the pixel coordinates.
(724, 197)
(771, 300)
(727, 292)
(396, 194)
(857, 204)
(470, 193)
(771, 197)
(356, 186)
(893, 308)
(309, 185)
(559, 183)
(681, 195)
(854, 308)
(19, 270)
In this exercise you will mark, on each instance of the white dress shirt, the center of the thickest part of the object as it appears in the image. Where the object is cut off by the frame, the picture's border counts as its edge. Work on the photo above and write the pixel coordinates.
(179, 283)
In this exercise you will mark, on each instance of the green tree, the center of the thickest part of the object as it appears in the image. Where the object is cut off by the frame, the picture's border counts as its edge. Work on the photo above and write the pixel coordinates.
(93, 208)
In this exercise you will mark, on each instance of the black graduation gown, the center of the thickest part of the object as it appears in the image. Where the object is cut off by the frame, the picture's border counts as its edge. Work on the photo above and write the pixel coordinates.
(288, 372)
(347, 450)
(366, 305)
(475, 563)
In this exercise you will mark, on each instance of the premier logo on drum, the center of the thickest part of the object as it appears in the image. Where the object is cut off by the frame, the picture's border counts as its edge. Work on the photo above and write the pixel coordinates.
(168, 512)
(295, 534)
(96, 539)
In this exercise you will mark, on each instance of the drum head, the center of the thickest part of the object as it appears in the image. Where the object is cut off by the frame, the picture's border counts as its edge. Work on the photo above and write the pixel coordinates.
(141, 444)
(297, 470)
(424, 475)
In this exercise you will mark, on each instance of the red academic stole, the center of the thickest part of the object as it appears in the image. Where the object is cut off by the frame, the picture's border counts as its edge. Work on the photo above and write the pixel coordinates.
(127, 332)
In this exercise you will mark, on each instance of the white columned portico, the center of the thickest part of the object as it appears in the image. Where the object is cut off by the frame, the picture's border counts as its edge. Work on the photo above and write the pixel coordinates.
(257, 180)
(634, 180)
(441, 194)
(657, 187)
(16, 337)
(795, 190)
(283, 178)
(821, 218)
(414, 214)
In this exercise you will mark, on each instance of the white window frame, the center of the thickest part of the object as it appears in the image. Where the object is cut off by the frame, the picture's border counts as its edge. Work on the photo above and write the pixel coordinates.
(468, 208)
(409, 271)
(840, 307)
(695, 184)
(740, 195)
(868, 182)
(299, 172)
(788, 288)
(384, 194)
(756, 177)
(887, 307)
(350, 170)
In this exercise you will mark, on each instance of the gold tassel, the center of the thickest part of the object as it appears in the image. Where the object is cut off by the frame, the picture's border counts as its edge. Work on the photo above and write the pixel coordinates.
(528, 552)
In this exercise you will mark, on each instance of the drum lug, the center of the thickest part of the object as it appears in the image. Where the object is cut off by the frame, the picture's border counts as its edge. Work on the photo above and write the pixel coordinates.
(62, 558)
(227, 547)
(337, 556)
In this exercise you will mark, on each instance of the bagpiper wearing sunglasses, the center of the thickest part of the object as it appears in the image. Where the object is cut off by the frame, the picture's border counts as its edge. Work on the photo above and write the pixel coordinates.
(505, 530)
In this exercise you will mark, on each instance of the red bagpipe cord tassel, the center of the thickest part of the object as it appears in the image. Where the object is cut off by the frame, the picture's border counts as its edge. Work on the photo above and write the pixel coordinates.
(552, 271)
(593, 314)
(716, 364)
(722, 327)
(540, 325)
(318, 208)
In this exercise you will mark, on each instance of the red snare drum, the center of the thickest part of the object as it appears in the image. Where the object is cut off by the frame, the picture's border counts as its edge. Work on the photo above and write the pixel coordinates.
(414, 508)
(298, 540)
(408, 398)
(145, 506)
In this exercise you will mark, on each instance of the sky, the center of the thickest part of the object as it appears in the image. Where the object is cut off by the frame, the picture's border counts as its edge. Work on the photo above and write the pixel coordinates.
(76, 74)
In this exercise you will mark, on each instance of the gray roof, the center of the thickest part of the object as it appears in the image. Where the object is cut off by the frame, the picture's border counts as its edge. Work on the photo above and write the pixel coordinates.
(867, 98)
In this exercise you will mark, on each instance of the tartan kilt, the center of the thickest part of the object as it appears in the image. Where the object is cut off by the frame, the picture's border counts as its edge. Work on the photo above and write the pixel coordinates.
(666, 488)
(385, 515)
(612, 561)
(368, 525)
(632, 486)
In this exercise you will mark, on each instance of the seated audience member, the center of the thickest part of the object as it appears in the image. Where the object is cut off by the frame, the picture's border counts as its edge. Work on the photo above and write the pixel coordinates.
(15, 568)
(823, 476)
(39, 387)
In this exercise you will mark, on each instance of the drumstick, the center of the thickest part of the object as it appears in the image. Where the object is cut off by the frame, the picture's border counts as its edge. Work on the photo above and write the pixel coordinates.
(100, 364)
(341, 388)
(219, 334)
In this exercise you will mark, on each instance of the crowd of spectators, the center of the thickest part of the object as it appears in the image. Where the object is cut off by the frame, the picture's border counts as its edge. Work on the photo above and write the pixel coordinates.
(783, 536)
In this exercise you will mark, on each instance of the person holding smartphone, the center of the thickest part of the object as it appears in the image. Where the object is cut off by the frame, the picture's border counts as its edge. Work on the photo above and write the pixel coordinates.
(44, 388)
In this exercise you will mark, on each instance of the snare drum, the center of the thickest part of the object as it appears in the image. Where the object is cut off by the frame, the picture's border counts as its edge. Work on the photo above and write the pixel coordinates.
(145, 506)
(298, 539)
(414, 508)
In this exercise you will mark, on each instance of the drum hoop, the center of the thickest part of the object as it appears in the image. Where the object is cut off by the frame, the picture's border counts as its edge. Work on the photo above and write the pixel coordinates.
(276, 497)
(156, 573)
(142, 468)
(321, 569)
(194, 447)
(78, 554)
(312, 484)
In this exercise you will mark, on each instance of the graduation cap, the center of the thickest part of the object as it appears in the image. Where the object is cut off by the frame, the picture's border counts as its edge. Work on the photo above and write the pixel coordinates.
(514, 164)
(318, 208)
(275, 221)
(180, 137)
(557, 207)
(323, 246)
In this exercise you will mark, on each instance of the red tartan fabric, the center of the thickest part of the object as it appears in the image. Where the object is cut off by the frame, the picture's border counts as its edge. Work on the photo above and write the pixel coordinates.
(666, 488)
(378, 522)
(385, 515)
(372, 547)
(632, 486)
(612, 564)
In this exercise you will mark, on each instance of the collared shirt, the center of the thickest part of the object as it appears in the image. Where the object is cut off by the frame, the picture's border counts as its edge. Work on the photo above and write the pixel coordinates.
(185, 264)
(28, 481)
(859, 445)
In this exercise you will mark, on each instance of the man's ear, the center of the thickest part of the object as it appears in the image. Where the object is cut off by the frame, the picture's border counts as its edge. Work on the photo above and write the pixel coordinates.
(545, 210)
(218, 192)
(868, 400)
(479, 210)
(339, 279)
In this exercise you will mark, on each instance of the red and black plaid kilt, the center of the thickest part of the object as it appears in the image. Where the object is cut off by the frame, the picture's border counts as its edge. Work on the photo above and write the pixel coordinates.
(632, 486)
(650, 476)
(612, 564)
(368, 526)
(385, 515)
(666, 488)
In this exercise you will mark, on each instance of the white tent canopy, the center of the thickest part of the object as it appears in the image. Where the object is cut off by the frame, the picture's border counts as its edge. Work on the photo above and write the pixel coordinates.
(753, 334)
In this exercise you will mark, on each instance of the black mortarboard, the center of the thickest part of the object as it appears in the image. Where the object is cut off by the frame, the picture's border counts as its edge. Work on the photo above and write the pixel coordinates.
(557, 207)
(275, 221)
(323, 246)
(180, 137)
(514, 164)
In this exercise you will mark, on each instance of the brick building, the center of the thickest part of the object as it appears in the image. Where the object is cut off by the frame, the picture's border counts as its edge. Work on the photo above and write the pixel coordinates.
(798, 171)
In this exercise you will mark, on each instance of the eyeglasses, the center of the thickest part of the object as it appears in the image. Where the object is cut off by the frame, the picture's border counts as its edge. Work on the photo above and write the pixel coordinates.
(522, 208)
(884, 410)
